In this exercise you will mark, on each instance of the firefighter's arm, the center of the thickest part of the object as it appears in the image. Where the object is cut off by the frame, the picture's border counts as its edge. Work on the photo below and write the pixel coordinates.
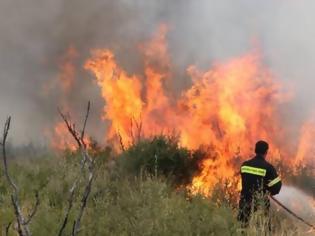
(273, 181)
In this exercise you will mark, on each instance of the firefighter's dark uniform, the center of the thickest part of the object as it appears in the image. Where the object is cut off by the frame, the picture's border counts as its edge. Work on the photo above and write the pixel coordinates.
(259, 178)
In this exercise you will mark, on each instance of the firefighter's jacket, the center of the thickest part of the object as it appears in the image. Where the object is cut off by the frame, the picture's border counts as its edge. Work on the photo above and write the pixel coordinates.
(258, 175)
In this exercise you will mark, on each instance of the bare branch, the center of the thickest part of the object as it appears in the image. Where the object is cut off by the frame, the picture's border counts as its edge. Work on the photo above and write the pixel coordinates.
(17, 215)
(85, 157)
(71, 197)
(79, 138)
(71, 128)
(84, 200)
(73, 228)
(85, 121)
(70, 204)
(7, 228)
(33, 212)
(22, 229)
(4, 154)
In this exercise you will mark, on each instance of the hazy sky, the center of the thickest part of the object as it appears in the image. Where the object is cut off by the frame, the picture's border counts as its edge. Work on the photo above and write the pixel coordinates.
(34, 35)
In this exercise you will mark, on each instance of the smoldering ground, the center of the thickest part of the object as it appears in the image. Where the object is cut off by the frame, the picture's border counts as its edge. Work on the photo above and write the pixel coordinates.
(35, 35)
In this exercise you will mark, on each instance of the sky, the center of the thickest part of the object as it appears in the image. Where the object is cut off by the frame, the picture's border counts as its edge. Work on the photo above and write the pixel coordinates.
(35, 34)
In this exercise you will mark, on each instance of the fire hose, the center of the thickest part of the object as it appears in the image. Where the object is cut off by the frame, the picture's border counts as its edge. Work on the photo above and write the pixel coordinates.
(292, 213)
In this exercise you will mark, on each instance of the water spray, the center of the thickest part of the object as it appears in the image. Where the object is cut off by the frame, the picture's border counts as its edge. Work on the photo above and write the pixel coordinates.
(288, 196)
(292, 213)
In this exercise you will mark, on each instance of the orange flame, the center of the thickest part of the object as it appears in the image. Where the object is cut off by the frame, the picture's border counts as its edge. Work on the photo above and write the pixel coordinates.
(61, 138)
(227, 108)
(115, 83)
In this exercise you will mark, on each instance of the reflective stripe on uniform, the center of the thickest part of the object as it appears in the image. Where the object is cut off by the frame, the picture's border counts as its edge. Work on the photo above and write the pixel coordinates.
(253, 170)
(273, 182)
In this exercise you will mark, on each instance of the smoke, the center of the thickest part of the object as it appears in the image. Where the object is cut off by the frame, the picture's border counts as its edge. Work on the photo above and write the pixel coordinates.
(35, 35)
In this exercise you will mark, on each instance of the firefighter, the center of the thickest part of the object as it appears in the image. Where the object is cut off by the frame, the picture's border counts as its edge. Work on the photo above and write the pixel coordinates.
(259, 179)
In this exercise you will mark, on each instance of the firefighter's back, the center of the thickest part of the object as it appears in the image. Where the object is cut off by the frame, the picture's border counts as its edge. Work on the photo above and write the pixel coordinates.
(253, 173)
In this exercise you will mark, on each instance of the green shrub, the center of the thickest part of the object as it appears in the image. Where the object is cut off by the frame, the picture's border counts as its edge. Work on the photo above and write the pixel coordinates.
(161, 156)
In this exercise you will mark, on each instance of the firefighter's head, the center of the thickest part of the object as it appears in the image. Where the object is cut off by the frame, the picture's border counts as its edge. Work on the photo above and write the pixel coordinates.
(261, 148)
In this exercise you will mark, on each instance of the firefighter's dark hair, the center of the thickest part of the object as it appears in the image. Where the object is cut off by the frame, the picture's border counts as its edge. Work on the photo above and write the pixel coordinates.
(261, 147)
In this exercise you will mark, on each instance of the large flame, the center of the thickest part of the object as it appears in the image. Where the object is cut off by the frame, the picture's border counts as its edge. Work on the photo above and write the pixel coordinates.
(226, 109)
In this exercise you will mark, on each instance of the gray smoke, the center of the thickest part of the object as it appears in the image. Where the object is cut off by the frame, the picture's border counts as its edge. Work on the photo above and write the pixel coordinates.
(36, 33)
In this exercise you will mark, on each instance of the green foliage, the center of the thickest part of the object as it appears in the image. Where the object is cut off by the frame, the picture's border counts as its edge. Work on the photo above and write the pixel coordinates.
(124, 200)
(150, 207)
(118, 205)
(161, 156)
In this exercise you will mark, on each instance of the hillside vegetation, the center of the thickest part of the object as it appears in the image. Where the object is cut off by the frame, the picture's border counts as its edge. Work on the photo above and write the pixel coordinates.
(133, 194)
